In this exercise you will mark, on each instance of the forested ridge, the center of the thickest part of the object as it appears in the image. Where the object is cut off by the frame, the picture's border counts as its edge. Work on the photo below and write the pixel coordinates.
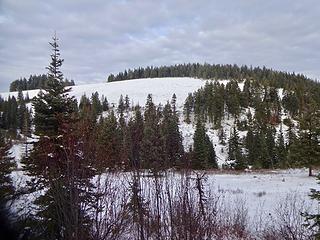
(265, 76)
(34, 82)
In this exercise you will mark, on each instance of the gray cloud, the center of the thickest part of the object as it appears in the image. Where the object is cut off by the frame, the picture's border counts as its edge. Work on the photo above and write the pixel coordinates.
(101, 37)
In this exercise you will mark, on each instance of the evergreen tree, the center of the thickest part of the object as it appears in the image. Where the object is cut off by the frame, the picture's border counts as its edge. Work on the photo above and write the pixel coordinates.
(53, 106)
(281, 150)
(218, 104)
(222, 136)
(233, 98)
(96, 104)
(56, 162)
(126, 103)
(105, 104)
(22, 111)
(171, 136)
(109, 142)
(313, 219)
(263, 159)
(271, 147)
(251, 148)
(234, 150)
(6, 166)
(187, 109)
(152, 145)
(203, 150)
(305, 151)
(136, 130)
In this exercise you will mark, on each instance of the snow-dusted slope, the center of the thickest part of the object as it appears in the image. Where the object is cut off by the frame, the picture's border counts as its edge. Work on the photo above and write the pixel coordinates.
(161, 89)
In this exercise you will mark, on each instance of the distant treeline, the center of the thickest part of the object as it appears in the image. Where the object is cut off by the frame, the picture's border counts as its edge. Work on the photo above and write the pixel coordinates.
(265, 76)
(34, 82)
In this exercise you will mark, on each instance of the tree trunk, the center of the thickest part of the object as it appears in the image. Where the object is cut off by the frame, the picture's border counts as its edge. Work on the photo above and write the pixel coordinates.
(310, 171)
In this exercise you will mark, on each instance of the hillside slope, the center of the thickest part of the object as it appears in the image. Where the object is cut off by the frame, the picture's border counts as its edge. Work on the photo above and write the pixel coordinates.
(162, 90)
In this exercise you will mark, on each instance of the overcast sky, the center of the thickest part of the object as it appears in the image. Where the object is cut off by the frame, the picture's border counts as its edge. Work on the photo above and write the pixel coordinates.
(99, 37)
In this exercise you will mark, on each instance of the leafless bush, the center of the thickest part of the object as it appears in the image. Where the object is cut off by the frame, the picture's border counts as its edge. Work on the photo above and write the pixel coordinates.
(287, 220)
(110, 209)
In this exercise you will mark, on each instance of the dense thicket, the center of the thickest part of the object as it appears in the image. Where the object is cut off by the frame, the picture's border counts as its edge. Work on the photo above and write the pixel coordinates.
(34, 82)
(261, 112)
(15, 115)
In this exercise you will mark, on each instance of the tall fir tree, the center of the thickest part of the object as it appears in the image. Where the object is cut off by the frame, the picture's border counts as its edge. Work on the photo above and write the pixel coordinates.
(136, 130)
(152, 155)
(109, 142)
(56, 163)
(203, 151)
(7, 165)
(281, 151)
(54, 105)
(313, 219)
(22, 111)
(187, 108)
(305, 151)
(171, 136)
(234, 150)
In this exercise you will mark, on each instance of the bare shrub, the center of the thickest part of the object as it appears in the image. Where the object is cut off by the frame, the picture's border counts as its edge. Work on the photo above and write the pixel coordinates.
(287, 220)
(110, 209)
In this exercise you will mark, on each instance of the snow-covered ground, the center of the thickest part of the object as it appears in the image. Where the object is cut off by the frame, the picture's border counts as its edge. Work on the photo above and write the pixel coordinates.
(161, 89)
(264, 191)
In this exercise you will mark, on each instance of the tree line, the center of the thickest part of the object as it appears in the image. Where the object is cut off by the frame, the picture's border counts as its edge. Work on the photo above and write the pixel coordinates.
(34, 82)
(277, 79)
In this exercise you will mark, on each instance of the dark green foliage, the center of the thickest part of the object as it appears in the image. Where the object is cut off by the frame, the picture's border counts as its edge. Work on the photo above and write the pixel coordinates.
(203, 151)
(9, 119)
(313, 219)
(305, 150)
(54, 105)
(7, 165)
(61, 165)
(105, 104)
(222, 136)
(109, 142)
(251, 147)
(126, 103)
(188, 107)
(218, 103)
(263, 158)
(96, 104)
(34, 82)
(234, 150)
(233, 98)
(135, 129)
(152, 150)
(246, 97)
(281, 151)
(171, 136)
(23, 115)
(59, 162)
(271, 148)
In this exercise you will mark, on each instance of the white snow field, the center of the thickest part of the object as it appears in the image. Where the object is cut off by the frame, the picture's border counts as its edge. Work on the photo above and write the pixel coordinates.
(161, 89)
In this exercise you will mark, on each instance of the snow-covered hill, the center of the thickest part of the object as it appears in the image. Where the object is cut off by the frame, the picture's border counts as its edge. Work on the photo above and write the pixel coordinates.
(161, 89)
